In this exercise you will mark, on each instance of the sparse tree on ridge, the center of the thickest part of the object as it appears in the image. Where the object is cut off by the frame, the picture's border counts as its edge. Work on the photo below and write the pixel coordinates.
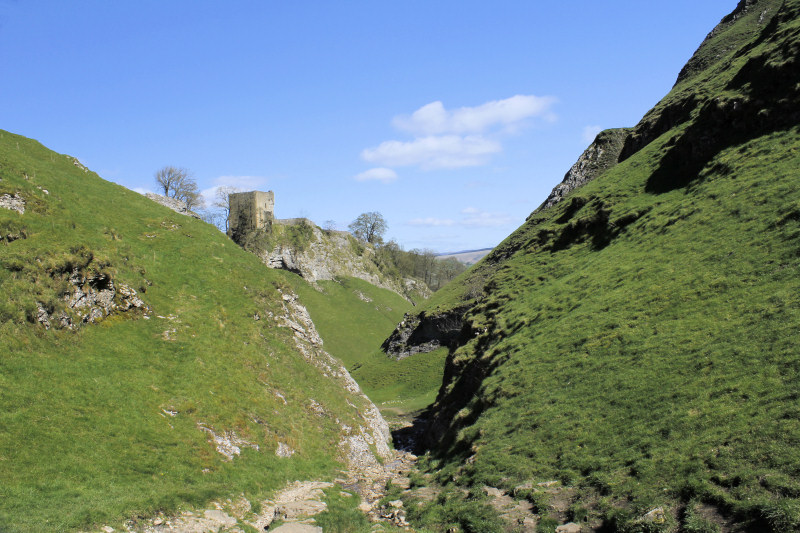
(369, 227)
(222, 201)
(178, 183)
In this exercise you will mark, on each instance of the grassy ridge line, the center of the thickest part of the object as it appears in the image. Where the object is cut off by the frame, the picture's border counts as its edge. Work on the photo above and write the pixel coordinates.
(711, 68)
(636, 342)
(84, 433)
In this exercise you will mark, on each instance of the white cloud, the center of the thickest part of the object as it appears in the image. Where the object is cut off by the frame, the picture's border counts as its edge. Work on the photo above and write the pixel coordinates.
(447, 151)
(384, 175)
(463, 137)
(434, 119)
(590, 132)
(431, 222)
(471, 217)
(241, 183)
(476, 218)
(209, 195)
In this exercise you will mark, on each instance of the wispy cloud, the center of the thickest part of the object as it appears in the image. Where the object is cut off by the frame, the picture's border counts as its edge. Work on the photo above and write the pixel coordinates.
(384, 175)
(431, 222)
(589, 133)
(470, 217)
(434, 119)
(446, 151)
(477, 218)
(457, 138)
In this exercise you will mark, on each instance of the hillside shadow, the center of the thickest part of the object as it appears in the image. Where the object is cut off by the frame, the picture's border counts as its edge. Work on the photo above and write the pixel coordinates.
(766, 100)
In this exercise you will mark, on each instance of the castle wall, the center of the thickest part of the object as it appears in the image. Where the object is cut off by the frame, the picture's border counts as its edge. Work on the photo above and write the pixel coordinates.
(292, 221)
(249, 211)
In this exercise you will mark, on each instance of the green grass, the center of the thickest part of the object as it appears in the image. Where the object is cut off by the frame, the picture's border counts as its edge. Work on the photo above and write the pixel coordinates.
(403, 386)
(451, 509)
(352, 316)
(84, 439)
(638, 340)
(353, 329)
(663, 366)
(342, 514)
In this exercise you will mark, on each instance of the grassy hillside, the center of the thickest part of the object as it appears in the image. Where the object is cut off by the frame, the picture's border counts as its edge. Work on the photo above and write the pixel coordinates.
(637, 342)
(353, 317)
(102, 421)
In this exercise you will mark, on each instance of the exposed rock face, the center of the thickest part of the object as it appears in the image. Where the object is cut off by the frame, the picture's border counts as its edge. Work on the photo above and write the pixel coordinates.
(601, 155)
(697, 62)
(713, 49)
(329, 255)
(372, 433)
(92, 297)
(176, 205)
(423, 333)
(227, 443)
(14, 202)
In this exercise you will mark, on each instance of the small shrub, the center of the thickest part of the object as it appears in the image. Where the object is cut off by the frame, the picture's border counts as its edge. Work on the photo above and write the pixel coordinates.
(547, 524)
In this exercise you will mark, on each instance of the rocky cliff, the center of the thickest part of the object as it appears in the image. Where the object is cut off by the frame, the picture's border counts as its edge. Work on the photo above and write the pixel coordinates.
(601, 155)
(176, 205)
(317, 254)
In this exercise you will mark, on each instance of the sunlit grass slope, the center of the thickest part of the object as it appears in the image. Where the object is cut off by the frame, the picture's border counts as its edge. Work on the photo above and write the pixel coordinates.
(101, 424)
(638, 341)
(353, 317)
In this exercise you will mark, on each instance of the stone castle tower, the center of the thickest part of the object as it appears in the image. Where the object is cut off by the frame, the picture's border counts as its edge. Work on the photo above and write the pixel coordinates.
(249, 211)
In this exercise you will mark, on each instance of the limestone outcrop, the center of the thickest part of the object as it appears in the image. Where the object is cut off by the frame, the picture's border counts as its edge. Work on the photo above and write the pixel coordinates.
(424, 333)
(601, 155)
(372, 433)
(91, 298)
(176, 205)
(13, 202)
(332, 254)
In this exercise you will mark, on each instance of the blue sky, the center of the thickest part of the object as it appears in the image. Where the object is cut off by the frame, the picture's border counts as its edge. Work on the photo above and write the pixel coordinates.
(454, 119)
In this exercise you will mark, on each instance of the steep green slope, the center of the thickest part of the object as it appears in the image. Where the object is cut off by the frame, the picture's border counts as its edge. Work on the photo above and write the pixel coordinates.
(117, 410)
(353, 317)
(637, 341)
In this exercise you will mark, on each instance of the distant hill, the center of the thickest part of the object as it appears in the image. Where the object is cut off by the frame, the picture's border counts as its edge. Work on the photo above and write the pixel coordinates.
(468, 257)
(627, 359)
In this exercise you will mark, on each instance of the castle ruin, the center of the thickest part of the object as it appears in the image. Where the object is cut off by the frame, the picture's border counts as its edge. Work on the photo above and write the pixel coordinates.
(254, 210)
(249, 211)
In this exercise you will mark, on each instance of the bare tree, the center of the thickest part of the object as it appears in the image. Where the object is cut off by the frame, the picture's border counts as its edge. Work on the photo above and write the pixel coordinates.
(222, 201)
(178, 183)
(369, 227)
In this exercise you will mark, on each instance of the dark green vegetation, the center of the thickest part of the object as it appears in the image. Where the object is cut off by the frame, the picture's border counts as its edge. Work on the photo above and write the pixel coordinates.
(101, 423)
(416, 263)
(638, 341)
(294, 236)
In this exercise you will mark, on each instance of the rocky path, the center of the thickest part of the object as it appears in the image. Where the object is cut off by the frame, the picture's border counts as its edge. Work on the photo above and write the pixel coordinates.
(292, 510)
